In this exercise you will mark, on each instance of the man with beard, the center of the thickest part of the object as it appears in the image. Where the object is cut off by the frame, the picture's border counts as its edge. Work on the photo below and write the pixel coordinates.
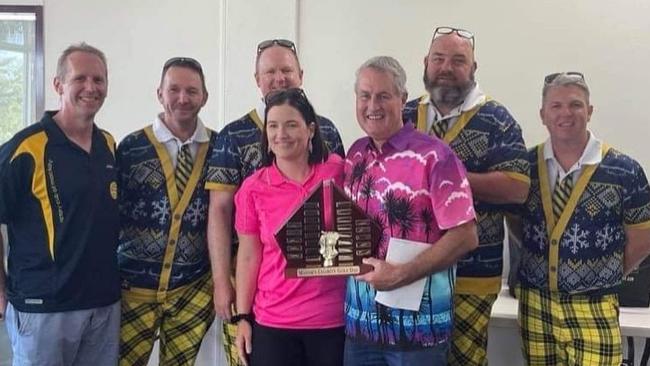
(237, 154)
(489, 142)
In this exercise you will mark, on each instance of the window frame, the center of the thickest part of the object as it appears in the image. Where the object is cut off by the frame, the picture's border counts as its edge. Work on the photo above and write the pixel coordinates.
(39, 64)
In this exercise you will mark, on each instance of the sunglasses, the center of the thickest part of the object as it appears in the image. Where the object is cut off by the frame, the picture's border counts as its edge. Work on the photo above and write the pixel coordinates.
(551, 77)
(280, 42)
(185, 62)
(449, 30)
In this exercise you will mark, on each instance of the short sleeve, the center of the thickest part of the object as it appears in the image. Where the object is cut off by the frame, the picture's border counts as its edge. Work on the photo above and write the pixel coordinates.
(636, 203)
(11, 183)
(451, 197)
(508, 151)
(246, 218)
(224, 164)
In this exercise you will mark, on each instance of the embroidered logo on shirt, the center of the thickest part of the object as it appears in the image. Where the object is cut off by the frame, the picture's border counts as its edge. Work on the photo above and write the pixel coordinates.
(113, 190)
(55, 190)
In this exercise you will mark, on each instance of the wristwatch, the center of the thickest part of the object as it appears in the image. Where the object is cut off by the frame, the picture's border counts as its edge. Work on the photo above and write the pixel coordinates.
(250, 318)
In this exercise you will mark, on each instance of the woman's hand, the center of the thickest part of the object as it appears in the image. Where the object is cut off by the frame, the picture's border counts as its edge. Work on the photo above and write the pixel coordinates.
(243, 340)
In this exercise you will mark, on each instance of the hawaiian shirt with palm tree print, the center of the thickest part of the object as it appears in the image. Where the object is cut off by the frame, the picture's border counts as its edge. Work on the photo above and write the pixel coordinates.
(415, 188)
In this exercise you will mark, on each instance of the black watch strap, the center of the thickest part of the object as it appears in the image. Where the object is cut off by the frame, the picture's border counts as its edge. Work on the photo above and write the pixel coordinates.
(237, 318)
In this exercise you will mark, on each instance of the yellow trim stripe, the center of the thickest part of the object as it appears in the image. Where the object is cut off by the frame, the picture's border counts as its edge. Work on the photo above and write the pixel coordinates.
(35, 147)
(422, 114)
(257, 119)
(220, 187)
(545, 190)
(167, 166)
(462, 121)
(641, 225)
(478, 285)
(559, 227)
(178, 206)
(454, 131)
(517, 176)
(110, 142)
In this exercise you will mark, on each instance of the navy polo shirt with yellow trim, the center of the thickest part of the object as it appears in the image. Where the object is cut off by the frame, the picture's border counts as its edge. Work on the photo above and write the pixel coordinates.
(60, 206)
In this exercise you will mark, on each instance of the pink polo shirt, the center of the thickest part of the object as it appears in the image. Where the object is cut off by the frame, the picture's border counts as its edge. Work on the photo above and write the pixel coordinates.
(264, 201)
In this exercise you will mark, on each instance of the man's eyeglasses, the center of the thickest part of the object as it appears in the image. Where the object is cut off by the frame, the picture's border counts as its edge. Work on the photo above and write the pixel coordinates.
(184, 62)
(551, 77)
(460, 32)
(280, 42)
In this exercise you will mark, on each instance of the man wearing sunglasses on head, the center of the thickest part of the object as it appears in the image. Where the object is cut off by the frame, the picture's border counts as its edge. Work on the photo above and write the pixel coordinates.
(236, 156)
(585, 224)
(488, 141)
(163, 251)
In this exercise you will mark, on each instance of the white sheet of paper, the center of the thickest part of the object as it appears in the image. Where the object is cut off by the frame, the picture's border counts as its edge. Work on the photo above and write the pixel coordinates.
(407, 297)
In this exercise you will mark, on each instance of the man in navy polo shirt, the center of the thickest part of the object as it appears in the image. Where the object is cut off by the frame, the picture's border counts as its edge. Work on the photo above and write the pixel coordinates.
(58, 198)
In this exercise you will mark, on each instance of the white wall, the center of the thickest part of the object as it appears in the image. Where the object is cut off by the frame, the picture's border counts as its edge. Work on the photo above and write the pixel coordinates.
(138, 37)
(517, 43)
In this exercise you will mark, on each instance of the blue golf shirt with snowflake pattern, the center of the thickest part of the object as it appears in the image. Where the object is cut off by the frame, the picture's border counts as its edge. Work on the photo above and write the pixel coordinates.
(581, 252)
(163, 243)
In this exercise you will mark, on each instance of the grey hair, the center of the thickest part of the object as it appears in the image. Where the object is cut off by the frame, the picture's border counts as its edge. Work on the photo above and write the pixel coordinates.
(62, 64)
(388, 65)
(565, 79)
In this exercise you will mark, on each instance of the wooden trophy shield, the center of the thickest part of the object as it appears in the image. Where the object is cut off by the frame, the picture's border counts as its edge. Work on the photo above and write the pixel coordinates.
(328, 235)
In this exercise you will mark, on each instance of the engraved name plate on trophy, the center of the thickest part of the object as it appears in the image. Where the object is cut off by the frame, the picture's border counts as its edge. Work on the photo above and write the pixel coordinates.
(328, 235)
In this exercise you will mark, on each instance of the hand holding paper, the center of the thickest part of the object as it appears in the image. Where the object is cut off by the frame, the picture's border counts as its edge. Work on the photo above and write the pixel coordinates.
(406, 297)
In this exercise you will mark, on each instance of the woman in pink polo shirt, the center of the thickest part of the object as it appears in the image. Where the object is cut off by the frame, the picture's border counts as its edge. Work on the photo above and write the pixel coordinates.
(296, 321)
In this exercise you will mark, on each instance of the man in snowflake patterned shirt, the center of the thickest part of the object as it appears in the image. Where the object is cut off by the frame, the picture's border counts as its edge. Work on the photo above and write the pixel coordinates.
(585, 224)
(488, 140)
(163, 252)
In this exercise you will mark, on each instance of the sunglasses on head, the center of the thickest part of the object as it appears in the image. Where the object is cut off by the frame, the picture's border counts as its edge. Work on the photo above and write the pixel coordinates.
(183, 62)
(280, 42)
(460, 32)
(550, 77)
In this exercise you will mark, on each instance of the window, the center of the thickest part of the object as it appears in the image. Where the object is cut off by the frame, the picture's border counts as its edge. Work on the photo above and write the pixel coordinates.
(21, 68)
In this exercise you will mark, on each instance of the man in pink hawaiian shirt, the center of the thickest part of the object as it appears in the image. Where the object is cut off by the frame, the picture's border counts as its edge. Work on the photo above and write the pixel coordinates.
(415, 187)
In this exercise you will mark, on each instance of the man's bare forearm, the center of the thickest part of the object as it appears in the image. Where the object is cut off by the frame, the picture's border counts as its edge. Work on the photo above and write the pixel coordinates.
(498, 188)
(220, 236)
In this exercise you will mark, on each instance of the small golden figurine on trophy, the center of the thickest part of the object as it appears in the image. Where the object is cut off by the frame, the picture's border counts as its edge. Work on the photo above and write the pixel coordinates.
(328, 240)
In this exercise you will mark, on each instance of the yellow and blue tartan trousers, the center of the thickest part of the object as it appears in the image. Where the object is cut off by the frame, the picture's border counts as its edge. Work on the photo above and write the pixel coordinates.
(229, 336)
(180, 322)
(571, 330)
(470, 334)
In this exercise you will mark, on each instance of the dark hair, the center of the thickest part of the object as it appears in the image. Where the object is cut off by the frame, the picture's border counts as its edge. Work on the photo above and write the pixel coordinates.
(296, 98)
(186, 62)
